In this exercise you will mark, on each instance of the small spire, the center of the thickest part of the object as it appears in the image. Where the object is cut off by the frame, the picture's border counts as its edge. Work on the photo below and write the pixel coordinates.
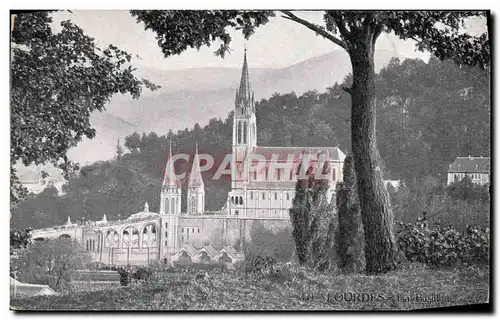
(104, 218)
(169, 177)
(195, 178)
(146, 207)
(69, 220)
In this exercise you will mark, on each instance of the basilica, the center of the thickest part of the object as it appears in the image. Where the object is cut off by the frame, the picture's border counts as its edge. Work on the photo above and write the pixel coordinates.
(262, 190)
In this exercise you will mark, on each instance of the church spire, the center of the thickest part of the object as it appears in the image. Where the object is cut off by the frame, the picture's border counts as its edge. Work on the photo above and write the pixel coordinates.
(244, 93)
(169, 179)
(195, 178)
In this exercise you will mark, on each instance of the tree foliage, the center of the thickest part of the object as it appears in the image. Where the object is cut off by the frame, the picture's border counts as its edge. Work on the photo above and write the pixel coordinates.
(20, 239)
(57, 80)
(51, 262)
(313, 219)
(350, 242)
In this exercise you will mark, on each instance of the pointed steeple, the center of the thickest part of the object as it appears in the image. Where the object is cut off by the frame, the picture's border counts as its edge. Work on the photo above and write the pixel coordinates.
(169, 180)
(244, 92)
(195, 178)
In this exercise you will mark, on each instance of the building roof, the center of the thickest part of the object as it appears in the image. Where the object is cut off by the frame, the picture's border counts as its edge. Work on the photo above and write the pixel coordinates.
(283, 154)
(142, 215)
(470, 164)
(230, 251)
(30, 290)
(279, 185)
(210, 249)
(189, 248)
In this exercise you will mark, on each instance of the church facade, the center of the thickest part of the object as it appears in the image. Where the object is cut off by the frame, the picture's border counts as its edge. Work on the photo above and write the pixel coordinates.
(262, 190)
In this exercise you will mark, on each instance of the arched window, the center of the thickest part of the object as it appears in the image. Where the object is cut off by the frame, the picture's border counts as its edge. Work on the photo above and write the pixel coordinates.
(239, 131)
(251, 195)
(275, 196)
(173, 206)
(193, 204)
(245, 128)
(287, 196)
(167, 206)
(263, 196)
(333, 174)
(241, 199)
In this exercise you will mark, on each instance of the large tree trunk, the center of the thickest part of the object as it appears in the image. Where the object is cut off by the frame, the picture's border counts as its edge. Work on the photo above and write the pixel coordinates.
(376, 211)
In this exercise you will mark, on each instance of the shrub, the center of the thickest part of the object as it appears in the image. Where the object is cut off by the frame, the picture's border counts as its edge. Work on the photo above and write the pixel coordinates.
(255, 262)
(51, 262)
(125, 275)
(129, 273)
(446, 246)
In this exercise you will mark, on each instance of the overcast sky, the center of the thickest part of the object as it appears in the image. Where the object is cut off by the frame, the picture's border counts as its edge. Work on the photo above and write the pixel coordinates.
(278, 44)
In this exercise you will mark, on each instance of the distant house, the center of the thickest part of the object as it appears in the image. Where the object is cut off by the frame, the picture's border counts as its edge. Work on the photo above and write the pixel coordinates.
(23, 290)
(476, 168)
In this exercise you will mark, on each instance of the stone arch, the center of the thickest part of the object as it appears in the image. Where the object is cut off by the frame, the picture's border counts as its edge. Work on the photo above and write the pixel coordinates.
(204, 257)
(130, 237)
(65, 236)
(184, 257)
(111, 239)
(224, 258)
(149, 234)
(40, 239)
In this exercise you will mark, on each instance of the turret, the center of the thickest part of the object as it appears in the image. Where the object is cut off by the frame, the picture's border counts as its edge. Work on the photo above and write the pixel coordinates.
(196, 188)
(171, 192)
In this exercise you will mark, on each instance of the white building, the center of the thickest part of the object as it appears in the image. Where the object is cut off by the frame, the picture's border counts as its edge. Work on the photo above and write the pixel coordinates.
(476, 168)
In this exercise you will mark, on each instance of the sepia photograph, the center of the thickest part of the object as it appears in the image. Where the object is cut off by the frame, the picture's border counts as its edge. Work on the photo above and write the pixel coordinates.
(250, 160)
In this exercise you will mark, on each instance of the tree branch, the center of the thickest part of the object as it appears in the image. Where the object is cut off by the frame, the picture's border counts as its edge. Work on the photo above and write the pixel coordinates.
(314, 27)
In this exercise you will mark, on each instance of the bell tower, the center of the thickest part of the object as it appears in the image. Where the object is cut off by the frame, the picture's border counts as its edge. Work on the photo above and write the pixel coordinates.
(170, 210)
(244, 126)
(170, 196)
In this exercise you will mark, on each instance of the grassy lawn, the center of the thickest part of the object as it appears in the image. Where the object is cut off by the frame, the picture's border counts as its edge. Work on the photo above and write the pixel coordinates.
(413, 287)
